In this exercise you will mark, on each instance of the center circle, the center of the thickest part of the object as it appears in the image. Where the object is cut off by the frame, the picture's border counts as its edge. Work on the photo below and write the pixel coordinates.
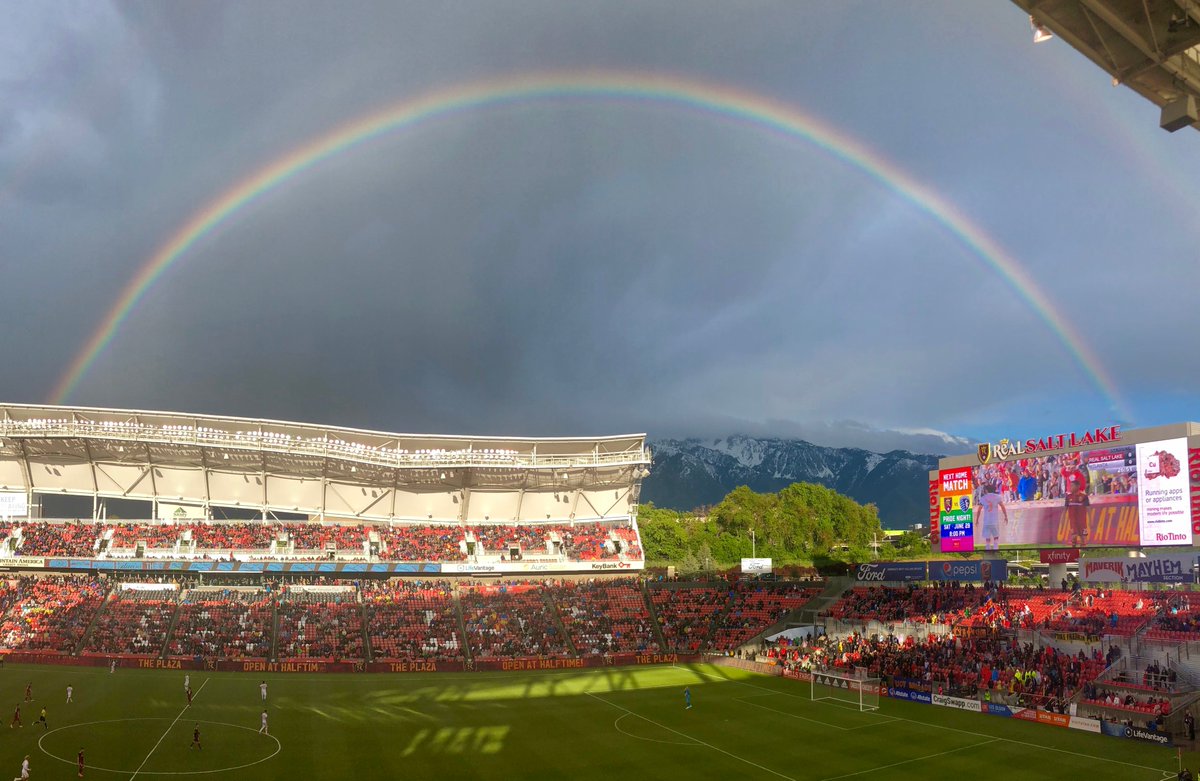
(44, 750)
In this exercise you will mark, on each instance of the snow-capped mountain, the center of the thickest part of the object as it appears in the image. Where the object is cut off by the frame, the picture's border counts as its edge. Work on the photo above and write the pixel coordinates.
(688, 473)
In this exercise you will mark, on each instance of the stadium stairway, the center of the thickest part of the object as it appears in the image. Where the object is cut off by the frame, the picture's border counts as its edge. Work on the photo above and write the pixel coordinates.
(805, 615)
(658, 633)
(465, 644)
(834, 588)
(274, 630)
(171, 627)
(91, 625)
(558, 622)
(368, 651)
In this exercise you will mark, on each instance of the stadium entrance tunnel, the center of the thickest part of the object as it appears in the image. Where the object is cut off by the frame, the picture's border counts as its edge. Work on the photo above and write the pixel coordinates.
(160, 746)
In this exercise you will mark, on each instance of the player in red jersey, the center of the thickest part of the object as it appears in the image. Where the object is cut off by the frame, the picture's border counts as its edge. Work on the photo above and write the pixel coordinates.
(196, 738)
(16, 721)
(79, 763)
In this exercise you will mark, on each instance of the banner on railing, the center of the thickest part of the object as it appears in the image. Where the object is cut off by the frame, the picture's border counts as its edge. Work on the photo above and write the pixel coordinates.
(890, 571)
(975, 570)
(1135, 733)
(958, 703)
(24, 562)
(1154, 568)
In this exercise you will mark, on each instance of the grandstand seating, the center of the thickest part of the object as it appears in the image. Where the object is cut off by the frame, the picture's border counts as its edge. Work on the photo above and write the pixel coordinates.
(753, 606)
(132, 622)
(685, 615)
(400, 542)
(605, 617)
(510, 621)
(223, 623)
(49, 614)
(320, 625)
(39, 538)
(412, 621)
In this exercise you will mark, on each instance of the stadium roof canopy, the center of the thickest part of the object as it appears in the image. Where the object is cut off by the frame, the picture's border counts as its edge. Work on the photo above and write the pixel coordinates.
(187, 464)
(1151, 46)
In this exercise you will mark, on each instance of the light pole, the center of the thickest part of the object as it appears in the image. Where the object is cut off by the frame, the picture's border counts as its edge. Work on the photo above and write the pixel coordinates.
(753, 545)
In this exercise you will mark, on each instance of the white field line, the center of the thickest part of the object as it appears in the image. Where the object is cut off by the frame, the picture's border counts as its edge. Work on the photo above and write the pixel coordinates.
(914, 759)
(689, 737)
(167, 730)
(964, 731)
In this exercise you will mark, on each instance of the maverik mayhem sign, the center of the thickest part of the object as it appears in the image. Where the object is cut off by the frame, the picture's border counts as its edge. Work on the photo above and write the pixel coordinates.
(1006, 448)
(1157, 568)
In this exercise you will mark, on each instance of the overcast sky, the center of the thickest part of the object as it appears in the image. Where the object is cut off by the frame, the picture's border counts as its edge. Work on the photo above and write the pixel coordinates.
(592, 266)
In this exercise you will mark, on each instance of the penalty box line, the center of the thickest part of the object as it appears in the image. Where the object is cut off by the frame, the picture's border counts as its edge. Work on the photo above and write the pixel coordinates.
(697, 741)
(168, 730)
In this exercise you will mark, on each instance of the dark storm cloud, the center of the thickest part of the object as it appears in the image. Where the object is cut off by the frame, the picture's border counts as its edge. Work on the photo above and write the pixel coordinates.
(587, 267)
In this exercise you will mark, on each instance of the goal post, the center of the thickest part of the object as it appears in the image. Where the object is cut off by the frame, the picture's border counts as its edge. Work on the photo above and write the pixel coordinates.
(851, 688)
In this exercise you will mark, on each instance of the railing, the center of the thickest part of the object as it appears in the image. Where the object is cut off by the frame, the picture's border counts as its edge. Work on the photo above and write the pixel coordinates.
(324, 446)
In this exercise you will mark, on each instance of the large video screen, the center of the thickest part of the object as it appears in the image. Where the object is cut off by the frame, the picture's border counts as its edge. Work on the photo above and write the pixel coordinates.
(1124, 495)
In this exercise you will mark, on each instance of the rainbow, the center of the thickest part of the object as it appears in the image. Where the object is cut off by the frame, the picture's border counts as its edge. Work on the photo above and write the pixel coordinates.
(727, 103)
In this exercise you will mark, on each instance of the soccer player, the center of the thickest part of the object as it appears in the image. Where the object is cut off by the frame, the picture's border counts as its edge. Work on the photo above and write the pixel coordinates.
(29, 692)
(189, 696)
(16, 721)
(42, 720)
(990, 508)
(187, 681)
(112, 668)
(69, 691)
(196, 738)
(1076, 505)
(262, 687)
(263, 729)
(79, 762)
(24, 770)
(687, 697)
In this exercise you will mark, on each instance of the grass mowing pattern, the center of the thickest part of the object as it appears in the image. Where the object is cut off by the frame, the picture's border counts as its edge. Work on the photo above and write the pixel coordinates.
(615, 723)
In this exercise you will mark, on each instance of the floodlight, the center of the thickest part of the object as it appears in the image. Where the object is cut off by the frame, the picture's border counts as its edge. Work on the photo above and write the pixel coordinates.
(1040, 33)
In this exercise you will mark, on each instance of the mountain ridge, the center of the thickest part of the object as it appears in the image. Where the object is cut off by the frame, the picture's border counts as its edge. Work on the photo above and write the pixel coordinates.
(693, 472)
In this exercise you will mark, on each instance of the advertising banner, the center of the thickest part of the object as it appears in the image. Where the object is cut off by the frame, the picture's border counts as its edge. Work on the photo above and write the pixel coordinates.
(1155, 568)
(902, 693)
(1194, 481)
(1085, 724)
(958, 703)
(975, 570)
(956, 518)
(934, 486)
(1059, 556)
(889, 571)
(1164, 501)
(996, 709)
(756, 566)
(25, 562)
(1134, 733)
(13, 505)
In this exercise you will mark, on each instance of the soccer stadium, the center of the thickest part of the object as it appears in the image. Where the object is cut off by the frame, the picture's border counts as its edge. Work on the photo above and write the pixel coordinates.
(299, 600)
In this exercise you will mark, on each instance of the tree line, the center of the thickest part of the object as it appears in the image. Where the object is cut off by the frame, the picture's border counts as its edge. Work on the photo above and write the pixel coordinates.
(804, 524)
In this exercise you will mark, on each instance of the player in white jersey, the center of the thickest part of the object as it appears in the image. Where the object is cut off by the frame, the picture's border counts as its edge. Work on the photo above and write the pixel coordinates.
(69, 690)
(24, 770)
(262, 687)
(263, 729)
(187, 681)
(990, 508)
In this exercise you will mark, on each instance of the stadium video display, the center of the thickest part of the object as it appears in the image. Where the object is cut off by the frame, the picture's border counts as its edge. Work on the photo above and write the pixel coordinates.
(1117, 496)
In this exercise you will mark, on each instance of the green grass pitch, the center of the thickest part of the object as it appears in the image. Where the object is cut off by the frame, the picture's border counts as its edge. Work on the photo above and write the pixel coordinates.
(618, 724)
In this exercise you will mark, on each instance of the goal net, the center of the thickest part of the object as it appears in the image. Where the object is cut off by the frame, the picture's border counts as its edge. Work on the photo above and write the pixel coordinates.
(853, 688)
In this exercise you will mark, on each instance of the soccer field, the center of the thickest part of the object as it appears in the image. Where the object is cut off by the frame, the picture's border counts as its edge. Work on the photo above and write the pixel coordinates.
(624, 723)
